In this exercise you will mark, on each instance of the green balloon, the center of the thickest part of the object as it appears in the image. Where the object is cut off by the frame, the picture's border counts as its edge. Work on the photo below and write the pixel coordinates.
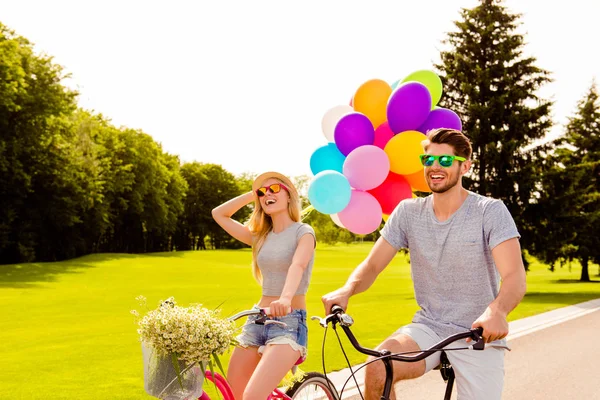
(431, 81)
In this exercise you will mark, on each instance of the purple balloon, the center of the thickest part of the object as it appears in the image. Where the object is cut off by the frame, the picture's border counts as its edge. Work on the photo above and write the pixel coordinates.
(353, 130)
(441, 118)
(408, 107)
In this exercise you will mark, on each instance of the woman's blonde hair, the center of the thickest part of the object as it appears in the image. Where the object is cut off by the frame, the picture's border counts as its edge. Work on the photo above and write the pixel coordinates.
(260, 223)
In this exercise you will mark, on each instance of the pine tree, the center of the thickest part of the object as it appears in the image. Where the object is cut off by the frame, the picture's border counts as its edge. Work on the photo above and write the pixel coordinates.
(492, 86)
(569, 204)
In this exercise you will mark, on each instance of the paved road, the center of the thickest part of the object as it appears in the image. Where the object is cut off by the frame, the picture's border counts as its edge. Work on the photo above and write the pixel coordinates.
(559, 362)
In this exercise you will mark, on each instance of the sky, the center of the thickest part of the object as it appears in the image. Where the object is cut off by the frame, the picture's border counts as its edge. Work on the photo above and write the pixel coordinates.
(245, 84)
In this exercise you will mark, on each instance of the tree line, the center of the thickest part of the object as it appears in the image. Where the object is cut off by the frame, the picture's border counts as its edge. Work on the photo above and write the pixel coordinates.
(71, 183)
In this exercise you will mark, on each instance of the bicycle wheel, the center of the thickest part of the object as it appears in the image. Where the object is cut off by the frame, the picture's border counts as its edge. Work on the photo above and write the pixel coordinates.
(313, 386)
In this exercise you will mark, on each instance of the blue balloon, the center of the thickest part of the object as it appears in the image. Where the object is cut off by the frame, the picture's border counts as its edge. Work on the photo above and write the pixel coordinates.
(327, 157)
(329, 192)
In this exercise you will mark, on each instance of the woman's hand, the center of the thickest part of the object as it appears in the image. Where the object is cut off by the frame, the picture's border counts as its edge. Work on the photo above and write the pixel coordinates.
(280, 307)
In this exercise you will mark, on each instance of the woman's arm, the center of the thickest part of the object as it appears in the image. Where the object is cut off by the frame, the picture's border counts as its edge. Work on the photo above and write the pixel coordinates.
(222, 215)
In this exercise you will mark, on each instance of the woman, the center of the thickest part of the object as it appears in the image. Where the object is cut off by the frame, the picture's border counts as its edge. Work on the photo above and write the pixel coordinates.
(283, 252)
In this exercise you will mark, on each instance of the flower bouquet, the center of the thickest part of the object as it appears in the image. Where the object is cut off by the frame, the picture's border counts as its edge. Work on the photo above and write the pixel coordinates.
(178, 344)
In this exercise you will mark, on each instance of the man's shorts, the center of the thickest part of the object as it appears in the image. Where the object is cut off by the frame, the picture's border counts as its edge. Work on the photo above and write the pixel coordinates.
(295, 333)
(479, 373)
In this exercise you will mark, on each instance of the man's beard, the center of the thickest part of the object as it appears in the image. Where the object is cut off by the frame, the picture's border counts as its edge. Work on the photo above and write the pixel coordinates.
(446, 187)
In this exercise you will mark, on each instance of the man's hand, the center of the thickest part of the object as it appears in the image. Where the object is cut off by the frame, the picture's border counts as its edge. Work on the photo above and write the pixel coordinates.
(494, 324)
(279, 308)
(340, 297)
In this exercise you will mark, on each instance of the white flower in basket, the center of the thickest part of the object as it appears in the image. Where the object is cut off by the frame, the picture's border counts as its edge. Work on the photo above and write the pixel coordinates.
(178, 343)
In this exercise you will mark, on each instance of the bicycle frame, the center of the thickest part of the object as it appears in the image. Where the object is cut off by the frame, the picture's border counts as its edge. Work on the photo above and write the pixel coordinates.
(225, 389)
(338, 316)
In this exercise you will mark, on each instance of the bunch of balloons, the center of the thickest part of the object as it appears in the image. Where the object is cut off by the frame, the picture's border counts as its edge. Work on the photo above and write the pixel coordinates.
(371, 161)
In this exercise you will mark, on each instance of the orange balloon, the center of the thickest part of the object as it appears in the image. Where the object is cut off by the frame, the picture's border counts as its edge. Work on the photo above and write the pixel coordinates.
(417, 181)
(371, 99)
(403, 151)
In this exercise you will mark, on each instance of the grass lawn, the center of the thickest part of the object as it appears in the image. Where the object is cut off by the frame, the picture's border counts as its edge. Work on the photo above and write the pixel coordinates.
(67, 331)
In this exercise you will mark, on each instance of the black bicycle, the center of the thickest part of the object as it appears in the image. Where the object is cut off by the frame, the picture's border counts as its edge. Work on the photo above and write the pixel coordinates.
(339, 317)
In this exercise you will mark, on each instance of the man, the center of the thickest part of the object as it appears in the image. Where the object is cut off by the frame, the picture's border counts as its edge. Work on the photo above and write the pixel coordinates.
(461, 245)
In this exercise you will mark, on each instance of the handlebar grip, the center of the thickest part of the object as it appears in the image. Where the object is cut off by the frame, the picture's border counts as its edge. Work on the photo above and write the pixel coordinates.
(479, 331)
(267, 310)
(336, 309)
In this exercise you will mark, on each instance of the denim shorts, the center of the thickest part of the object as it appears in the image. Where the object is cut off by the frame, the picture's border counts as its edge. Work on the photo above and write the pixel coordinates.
(295, 333)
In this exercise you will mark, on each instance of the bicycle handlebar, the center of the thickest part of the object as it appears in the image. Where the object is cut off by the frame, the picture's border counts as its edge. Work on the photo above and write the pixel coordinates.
(338, 316)
(263, 311)
(255, 311)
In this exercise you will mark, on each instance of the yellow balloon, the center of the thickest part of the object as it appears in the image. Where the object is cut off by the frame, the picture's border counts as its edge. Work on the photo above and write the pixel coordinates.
(403, 151)
(385, 217)
(371, 99)
(417, 181)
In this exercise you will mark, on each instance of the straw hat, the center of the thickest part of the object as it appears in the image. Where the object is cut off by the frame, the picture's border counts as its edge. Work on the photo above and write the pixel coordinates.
(272, 174)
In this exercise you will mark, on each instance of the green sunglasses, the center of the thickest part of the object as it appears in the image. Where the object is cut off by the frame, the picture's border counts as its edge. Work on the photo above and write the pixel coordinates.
(445, 160)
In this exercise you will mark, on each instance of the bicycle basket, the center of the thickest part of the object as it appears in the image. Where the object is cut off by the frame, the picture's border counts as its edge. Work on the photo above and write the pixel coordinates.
(160, 376)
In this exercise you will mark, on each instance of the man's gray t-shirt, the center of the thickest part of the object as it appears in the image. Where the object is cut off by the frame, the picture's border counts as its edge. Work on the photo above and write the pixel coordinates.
(452, 268)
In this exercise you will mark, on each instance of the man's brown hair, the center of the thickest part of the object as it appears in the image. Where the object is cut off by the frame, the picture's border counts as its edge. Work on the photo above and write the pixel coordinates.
(459, 142)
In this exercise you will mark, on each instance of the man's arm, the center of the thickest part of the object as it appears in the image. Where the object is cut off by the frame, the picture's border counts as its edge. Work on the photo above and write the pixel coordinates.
(508, 260)
(363, 276)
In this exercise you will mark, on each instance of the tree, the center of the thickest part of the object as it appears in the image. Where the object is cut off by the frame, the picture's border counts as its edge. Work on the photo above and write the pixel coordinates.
(492, 86)
(568, 209)
(209, 186)
(191, 228)
(175, 191)
(89, 133)
(40, 190)
(142, 209)
(62, 194)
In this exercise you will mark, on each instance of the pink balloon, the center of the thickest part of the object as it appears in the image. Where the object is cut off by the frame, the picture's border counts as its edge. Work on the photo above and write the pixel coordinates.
(362, 215)
(366, 167)
(383, 134)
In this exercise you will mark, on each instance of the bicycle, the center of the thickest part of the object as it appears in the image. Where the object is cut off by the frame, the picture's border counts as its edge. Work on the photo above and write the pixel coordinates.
(338, 316)
(313, 385)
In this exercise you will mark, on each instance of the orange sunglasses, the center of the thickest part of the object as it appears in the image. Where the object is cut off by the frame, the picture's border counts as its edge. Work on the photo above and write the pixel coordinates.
(274, 188)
